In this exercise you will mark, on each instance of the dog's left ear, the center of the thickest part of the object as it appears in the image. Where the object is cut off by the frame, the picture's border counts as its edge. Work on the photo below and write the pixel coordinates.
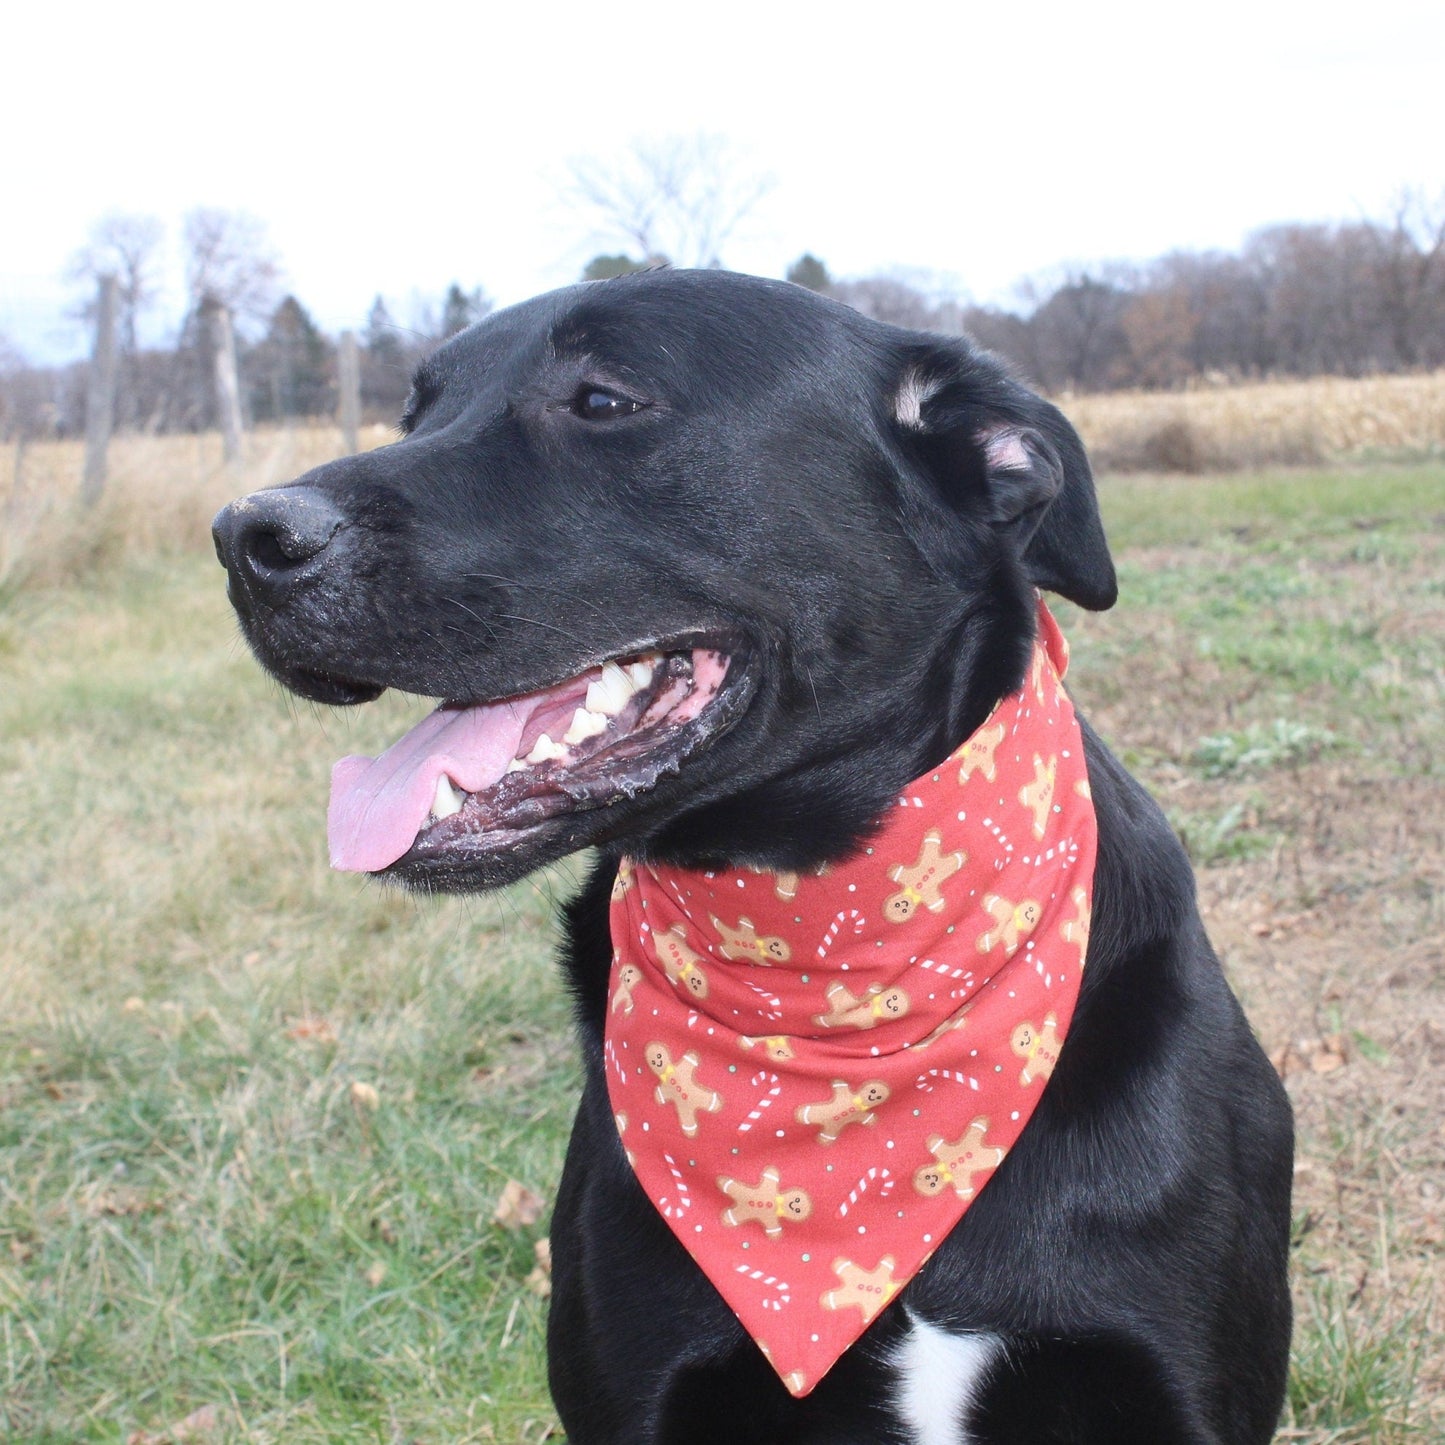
(990, 445)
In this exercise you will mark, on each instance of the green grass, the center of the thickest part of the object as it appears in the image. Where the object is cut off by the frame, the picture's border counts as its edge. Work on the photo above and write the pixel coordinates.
(192, 1208)
(196, 1208)
(1271, 507)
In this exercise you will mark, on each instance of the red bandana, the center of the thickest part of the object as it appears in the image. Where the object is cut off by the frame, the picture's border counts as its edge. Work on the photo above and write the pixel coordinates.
(814, 1076)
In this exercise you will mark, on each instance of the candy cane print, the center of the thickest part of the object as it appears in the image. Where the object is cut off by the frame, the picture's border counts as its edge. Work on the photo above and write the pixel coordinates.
(783, 1291)
(609, 1053)
(922, 1082)
(945, 969)
(999, 834)
(861, 1188)
(831, 936)
(963, 977)
(773, 1009)
(684, 1203)
(764, 1103)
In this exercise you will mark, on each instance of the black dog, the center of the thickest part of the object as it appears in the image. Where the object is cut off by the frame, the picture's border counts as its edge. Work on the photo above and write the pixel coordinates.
(851, 518)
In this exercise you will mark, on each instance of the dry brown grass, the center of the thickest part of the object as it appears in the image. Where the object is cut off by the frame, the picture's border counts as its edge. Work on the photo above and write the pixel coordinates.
(160, 497)
(1290, 423)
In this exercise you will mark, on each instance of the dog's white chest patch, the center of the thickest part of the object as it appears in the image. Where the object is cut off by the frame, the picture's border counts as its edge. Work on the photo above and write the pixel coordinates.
(939, 1376)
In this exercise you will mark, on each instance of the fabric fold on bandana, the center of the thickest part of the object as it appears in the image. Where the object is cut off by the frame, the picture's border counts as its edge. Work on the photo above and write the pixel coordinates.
(815, 1075)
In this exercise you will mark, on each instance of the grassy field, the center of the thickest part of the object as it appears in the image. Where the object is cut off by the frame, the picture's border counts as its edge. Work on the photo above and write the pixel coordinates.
(256, 1118)
(1307, 422)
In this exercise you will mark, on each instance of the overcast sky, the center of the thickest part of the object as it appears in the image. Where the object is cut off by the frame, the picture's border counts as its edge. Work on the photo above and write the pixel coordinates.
(397, 148)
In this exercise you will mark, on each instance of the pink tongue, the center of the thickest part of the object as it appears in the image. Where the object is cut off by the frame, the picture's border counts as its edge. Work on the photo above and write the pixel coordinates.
(378, 805)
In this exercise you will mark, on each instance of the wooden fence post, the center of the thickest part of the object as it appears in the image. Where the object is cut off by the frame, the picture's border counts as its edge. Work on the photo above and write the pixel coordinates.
(100, 393)
(348, 380)
(228, 382)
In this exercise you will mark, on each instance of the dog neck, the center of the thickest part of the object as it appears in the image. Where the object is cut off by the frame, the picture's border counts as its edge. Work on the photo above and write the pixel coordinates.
(919, 990)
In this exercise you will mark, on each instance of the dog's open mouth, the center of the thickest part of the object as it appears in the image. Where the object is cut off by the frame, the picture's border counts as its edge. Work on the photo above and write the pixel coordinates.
(476, 778)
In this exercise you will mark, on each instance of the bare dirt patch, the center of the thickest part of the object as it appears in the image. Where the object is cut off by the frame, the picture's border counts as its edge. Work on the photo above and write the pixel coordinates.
(1284, 704)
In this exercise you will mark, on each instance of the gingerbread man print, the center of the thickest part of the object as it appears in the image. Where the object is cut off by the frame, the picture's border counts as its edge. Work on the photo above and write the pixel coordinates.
(1038, 1048)
(846, 1105)
(922, 881)
(766, 1203)
(1012, 921)
(678, 961)
(1038, 796)
(676, 1085)
(868, 1290)
(778, 1047)
(957, 1161)
(742, 944)
(865, 1011)
(785, 885)
(978, 753)
(795, 1380)
(628, 977)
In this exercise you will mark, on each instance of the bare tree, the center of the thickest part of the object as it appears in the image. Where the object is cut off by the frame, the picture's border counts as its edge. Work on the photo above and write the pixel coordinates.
(678, 199)
(1410, 276)
(1076, 328)
(231, 271)
(899, 303)
(230, 262)
(127, 247)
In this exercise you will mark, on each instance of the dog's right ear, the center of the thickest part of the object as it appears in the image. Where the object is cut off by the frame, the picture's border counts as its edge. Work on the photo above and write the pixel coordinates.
(993, 449)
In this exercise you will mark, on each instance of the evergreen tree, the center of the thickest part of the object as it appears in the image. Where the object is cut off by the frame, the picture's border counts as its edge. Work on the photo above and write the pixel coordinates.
(381, 340)
(388, 355)
(291, 372)
(604, 268)
(461, 309)
(809, 271)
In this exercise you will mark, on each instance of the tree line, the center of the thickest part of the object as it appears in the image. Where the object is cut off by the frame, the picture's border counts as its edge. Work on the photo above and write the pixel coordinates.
(1295, 300)
(1344, 299)
(287, 365)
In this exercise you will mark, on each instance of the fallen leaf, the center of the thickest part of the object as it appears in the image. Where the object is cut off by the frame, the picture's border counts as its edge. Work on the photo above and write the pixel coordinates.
(122, 1202)
(196, 1425)
(133, 1005)
(376, 1273)
(540, 1279)
(1285, 1060)
(313, 1028)
(518, 1206)
(363, 1096)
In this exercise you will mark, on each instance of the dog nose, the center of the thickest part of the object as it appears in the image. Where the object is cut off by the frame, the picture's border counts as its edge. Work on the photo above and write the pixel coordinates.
(273, 538)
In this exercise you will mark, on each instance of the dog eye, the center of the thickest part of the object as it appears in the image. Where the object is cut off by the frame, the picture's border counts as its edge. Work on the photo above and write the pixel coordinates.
(593, 404)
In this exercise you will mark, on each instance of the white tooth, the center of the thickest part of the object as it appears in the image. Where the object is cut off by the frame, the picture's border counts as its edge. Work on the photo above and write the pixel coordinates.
(585, 724)
(641, 673)
(544, 750)
(516, 766)
(448, 800)
(612, 692)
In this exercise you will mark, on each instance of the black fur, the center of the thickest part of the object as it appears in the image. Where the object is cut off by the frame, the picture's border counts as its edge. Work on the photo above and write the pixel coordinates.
(869, 565)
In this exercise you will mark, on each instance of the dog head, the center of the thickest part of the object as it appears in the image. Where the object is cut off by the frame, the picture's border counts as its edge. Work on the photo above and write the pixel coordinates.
(702, 566)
